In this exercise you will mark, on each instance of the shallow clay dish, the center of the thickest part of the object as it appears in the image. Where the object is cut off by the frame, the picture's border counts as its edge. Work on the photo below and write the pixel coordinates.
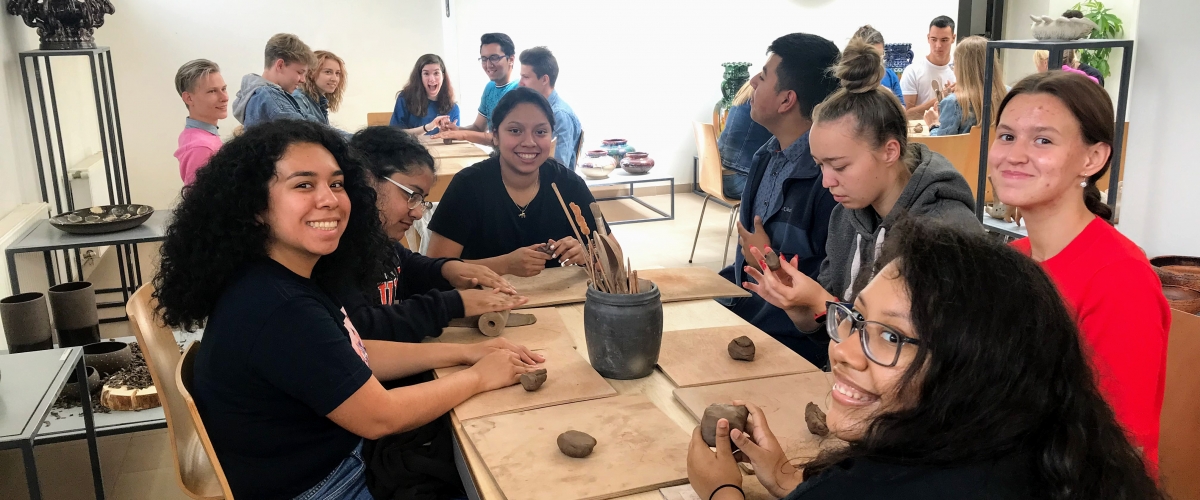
(1178, 270)
(1182, 298)
(102, 219)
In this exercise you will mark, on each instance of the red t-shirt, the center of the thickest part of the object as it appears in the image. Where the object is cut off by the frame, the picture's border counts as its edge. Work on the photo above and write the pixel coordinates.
(1124, 319)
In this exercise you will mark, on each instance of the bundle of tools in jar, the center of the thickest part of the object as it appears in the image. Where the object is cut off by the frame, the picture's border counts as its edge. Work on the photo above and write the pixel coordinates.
(606, 264)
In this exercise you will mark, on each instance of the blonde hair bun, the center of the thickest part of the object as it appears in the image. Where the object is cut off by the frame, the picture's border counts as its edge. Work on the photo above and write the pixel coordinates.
(861, 68)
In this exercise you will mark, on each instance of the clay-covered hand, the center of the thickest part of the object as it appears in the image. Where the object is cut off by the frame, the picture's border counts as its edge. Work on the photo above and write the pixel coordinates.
(499, 368)
(526, 261)
(567, 250)
(476, 302)
(748, 240)
(931, 116)
(480, 350)
(444, 123)
(803, 293)
(462, 275)
(759, 445)
(707, 469)
(458, 135)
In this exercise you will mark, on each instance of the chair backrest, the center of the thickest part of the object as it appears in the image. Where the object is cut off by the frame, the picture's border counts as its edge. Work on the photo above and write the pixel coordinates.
(963, 152)
(1179, 438)
(374, 119)
(578, 149)
(194, 471)
(710, 161)
(183, 383)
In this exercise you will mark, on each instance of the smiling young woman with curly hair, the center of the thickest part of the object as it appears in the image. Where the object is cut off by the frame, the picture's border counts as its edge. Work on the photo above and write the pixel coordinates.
(281, 216)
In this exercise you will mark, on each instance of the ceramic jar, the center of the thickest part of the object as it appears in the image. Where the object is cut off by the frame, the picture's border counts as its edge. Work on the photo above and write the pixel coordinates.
(736, 75)
(897, 56)
(623, 331)
(617, 148)
(597, 164)
(26, 322)
(73, 306)
(637, 163)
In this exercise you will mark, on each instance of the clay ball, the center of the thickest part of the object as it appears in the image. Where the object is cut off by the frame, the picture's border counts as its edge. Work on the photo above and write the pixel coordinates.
(735, 414)
(533, 380)
(815, 418)
(742, 349)
(576, 444)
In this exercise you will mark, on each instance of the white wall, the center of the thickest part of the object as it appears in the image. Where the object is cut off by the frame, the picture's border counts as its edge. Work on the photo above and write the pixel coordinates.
(17, 174)
(1019, 63)
(645, 70)
(378, 39)
(1160, 203)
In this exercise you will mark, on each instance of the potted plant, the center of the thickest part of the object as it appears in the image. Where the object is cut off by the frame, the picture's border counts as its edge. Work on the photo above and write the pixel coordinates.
(1108, 27)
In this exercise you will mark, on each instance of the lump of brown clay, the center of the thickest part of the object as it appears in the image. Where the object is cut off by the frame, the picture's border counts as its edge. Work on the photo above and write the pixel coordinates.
(735, 414)
(742, 349)
(533, 380)
(815, 418)
(576, 444)
(772, 260)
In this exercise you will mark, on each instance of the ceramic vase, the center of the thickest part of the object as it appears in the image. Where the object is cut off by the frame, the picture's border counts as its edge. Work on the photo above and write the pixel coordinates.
(736, 75)
(26, 322)
(597, 164)
(637, 163)
(107, 357)
(73, 306)
(63, 24)
(617, 148)
(897, 56)
(623, 331)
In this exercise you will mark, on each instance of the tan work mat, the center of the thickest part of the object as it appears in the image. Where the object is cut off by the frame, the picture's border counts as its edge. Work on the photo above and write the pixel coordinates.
(782, 400)
(548, 331)
(701, 357)
(456, 150)
(569, 378)
(568, 285)
(638, 448)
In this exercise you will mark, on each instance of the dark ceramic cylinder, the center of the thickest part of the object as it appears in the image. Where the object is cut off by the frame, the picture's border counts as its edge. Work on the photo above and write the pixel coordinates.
(26, 322)
(623, 331)
(73, 306)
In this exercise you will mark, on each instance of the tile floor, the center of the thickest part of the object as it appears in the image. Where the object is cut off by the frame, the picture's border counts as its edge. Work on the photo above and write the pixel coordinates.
(139, 465)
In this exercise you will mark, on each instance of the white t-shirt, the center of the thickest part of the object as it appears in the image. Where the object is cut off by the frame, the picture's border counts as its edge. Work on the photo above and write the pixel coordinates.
(917, 77)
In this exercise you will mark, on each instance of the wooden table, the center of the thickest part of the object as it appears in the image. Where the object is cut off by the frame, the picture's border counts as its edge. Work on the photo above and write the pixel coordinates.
(450, 160)
(657, 387)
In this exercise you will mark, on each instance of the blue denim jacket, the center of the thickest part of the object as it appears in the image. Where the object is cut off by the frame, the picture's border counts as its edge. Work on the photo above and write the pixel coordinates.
(741, 139)
(261, 101)
(318, 110)
(950, 118)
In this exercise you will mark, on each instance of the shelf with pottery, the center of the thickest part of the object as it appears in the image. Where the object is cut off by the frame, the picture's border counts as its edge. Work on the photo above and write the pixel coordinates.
(618, 164)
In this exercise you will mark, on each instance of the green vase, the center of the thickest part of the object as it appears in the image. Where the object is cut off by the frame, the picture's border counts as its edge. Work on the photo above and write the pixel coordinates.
(736, 75)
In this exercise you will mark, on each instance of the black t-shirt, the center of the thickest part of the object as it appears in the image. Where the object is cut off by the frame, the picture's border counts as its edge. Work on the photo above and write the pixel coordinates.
(866, 479)
(275, 360)
(477, 212)
(410, 303)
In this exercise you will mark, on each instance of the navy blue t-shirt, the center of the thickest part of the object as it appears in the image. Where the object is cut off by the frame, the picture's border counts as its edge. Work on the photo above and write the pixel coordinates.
(275, 360)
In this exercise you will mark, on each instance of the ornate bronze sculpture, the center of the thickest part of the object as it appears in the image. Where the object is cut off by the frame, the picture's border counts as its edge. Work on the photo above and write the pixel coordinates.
(63, 24)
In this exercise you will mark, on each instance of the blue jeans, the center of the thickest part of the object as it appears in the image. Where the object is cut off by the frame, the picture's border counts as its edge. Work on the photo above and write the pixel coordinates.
(733, 184)
(348, 481)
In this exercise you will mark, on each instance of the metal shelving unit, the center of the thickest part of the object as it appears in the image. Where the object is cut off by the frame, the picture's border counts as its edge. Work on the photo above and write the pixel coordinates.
(1055, 48)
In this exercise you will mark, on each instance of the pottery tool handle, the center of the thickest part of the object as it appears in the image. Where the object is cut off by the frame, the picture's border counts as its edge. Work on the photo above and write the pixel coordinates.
(492, 324)
(599, 216)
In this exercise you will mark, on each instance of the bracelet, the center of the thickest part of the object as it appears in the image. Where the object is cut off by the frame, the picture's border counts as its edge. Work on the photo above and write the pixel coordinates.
(423, 127)
(723, 486)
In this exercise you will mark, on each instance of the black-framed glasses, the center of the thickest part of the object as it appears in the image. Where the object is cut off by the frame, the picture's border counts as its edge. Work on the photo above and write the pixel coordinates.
(881, 343)
(494, 59)
(415, 199)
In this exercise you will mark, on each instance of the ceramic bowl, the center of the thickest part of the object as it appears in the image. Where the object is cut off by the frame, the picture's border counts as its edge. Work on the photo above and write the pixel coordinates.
(1182, 298)
(597, 164)
(637, 163)
(102, 219)
(1178, 270)
(71, 390)
(107, 357)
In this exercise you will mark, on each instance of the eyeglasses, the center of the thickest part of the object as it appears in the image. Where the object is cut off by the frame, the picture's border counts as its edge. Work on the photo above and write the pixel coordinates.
(882, 344)
(415, 199)
(492, 59)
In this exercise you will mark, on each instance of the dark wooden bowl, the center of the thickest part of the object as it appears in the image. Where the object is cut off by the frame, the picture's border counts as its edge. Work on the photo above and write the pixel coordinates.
(1182, 298)
(1178, 270)
(102, 219)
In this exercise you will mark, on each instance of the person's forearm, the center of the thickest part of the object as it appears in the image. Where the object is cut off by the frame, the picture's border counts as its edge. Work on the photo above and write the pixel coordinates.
(393, 360)
(477, 137)
(412, 406)
(496, 264)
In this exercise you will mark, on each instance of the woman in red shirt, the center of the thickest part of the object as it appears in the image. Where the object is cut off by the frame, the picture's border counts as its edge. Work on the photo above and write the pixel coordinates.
(1053, 142)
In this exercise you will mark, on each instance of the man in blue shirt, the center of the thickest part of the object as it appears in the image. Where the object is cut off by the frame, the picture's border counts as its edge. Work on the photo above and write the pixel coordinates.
(539, 71)
(269, 97)
(784, 204)
(496, 55)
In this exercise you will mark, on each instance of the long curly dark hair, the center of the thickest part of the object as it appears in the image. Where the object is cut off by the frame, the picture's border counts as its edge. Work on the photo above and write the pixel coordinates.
(999, 373)
(216, 228)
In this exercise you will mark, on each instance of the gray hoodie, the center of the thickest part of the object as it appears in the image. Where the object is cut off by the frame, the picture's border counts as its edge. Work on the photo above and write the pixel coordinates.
(856, 237)
(250, 83)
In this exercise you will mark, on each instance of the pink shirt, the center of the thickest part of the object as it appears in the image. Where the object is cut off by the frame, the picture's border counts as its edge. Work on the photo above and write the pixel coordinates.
(196, 146)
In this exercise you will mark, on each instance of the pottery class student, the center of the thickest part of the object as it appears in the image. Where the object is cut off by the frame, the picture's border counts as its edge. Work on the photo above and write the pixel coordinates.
(1053, 143)
(918, 78)
(323, 87)
(859, 139)
(991, 397)
(501, 211)
(496, 54)
(426, 98)
(739, 141)
(261, 99)
(960, 110)
(417, 296)
(874, 38)
(286, 387)
(204, 93)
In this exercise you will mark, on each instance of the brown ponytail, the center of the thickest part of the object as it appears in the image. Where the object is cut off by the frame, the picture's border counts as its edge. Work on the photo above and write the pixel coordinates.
(878, 112)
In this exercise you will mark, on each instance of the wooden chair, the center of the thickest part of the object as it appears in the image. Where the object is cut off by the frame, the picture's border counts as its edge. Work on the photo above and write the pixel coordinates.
(578, 149)
(183, 383)
(1179, 438)
(199, 476)
(710, 183)
(963, 152)
(374, 119)
(719, 116)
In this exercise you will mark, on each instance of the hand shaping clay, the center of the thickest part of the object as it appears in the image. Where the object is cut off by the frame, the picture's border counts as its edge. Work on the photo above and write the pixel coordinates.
(735, 414)
(742, 349)
(815, 418)
(533, 380)
(772, 260)
(576, 444)
(492, 324)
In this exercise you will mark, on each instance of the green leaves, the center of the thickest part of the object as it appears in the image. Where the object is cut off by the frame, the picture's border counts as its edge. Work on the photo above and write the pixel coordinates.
(1108, 27)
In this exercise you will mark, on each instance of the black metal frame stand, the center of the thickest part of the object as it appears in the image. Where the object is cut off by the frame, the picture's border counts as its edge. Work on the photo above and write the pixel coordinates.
(50, 155)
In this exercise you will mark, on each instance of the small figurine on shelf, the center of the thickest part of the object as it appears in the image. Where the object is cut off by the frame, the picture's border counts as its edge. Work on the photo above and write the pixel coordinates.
(1061, 28)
